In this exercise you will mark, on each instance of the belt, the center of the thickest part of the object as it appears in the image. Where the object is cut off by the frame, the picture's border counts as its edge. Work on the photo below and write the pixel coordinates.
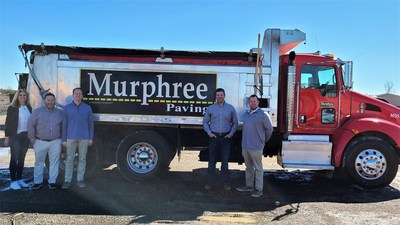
(223, 134)
(47, 140)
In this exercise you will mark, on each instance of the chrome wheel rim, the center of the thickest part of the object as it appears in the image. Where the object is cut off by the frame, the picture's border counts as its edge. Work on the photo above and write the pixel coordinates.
(142, 157)
(370, 164)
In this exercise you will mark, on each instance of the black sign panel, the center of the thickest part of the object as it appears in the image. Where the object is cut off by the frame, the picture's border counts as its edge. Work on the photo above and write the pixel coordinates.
(148, 93)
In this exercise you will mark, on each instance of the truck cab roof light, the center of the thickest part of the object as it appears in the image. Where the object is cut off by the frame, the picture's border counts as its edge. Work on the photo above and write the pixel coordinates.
(329, 55)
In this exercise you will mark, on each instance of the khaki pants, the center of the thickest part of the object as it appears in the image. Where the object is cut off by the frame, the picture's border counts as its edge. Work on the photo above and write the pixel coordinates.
(82, 146)
(254, 168)
(41, 149)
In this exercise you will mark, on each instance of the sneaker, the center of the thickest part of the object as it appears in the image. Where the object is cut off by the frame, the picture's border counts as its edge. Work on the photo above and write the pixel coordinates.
(81, 184)
(66, 185)
(23, 184)
(207, 187)
(257, 193)
(14, 185)
(227, 187)
(52, 186)
(245, 188)
(37, 186)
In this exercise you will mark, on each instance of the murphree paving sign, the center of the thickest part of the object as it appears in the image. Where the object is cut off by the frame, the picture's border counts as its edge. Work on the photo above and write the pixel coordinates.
(148, 93)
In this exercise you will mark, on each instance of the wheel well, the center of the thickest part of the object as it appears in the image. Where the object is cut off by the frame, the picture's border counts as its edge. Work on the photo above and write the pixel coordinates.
(109, 136)
(380, 135)
(118, 132)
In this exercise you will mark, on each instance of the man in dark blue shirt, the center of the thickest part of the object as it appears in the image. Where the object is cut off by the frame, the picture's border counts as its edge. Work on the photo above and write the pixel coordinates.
(77, 132)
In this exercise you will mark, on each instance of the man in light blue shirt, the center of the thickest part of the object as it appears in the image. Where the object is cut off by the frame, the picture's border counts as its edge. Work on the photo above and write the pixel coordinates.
(77, 132)
(44, 131)
(257, 130)
(220, 122)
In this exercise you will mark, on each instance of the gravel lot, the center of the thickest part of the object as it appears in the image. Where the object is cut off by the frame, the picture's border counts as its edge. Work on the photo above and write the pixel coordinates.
(290, 197)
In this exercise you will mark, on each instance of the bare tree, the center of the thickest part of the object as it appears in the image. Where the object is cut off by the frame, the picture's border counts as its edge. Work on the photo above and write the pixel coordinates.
(389, 86)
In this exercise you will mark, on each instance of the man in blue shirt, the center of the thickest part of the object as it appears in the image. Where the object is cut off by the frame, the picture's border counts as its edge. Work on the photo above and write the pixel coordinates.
(220, 122)
(44, 131)
(77, 132)
(257, 130)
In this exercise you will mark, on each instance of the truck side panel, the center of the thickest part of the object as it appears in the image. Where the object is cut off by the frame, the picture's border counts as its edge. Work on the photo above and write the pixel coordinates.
(61, 75)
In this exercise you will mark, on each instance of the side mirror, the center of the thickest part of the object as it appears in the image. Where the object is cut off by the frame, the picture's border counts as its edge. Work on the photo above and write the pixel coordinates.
(323, 90)
(347, 70)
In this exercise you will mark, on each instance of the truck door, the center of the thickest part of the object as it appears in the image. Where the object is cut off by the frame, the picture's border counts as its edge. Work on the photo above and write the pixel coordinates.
(318, 104)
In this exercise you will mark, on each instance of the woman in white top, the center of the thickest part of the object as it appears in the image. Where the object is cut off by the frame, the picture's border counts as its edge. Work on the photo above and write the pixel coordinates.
(15, 130)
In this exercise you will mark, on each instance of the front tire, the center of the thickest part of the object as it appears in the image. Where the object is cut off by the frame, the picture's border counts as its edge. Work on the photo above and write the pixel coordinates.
(371, 162)
(143, 155)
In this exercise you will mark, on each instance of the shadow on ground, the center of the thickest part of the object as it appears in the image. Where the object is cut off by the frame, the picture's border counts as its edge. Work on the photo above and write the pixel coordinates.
(180, 196)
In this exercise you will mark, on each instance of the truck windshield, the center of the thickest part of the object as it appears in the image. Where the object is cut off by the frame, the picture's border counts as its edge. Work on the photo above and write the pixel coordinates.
(315, 76)
(321, 78)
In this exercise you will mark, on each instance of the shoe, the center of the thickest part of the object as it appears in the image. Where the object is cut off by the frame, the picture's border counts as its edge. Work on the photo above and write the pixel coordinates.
(81, 184)
(15, 186)
(52, 186)
(245, 188)
(37, 186)
(23, 184)
(207, 187)
(227, 187)
(257, 193)
(66, 185)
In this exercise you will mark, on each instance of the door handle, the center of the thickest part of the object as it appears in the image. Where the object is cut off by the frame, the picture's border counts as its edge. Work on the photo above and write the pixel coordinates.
(303, 119)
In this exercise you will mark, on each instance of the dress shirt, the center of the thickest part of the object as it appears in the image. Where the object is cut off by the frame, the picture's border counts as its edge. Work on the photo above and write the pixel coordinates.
(44, 124)
(220, 119)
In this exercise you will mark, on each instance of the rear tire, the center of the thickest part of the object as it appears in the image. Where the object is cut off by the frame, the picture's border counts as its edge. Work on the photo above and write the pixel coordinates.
(144, 155)
(371, 162)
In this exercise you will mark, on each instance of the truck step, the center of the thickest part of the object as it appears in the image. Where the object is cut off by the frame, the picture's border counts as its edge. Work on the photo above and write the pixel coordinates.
(308, 166)
(306, 151)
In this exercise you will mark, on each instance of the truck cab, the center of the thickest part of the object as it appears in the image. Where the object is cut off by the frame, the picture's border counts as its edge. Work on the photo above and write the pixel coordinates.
(327, 125)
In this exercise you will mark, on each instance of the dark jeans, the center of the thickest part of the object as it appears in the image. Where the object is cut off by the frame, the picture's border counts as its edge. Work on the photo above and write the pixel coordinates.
(219, 146)
(19, 146)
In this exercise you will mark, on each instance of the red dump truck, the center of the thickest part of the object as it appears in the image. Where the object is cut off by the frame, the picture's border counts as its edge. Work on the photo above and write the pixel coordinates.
(148, 105)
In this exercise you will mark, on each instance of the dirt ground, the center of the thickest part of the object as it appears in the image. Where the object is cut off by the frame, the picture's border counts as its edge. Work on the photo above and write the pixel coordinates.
(178, 197)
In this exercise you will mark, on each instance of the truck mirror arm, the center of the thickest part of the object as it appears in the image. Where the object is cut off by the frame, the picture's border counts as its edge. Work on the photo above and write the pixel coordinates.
(259, 90)
(33, 75)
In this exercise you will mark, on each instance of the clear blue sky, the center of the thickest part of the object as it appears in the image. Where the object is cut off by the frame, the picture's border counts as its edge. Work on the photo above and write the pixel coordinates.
(364, 31)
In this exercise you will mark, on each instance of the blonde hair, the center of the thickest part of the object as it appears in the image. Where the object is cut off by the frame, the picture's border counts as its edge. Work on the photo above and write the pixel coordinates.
(15, 101)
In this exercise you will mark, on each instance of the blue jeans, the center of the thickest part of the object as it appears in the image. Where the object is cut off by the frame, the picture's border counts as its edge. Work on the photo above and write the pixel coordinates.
(19, 146)
(219, 146)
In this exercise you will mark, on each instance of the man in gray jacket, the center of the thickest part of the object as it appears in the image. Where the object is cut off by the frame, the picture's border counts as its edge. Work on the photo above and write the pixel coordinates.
(257, 130)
